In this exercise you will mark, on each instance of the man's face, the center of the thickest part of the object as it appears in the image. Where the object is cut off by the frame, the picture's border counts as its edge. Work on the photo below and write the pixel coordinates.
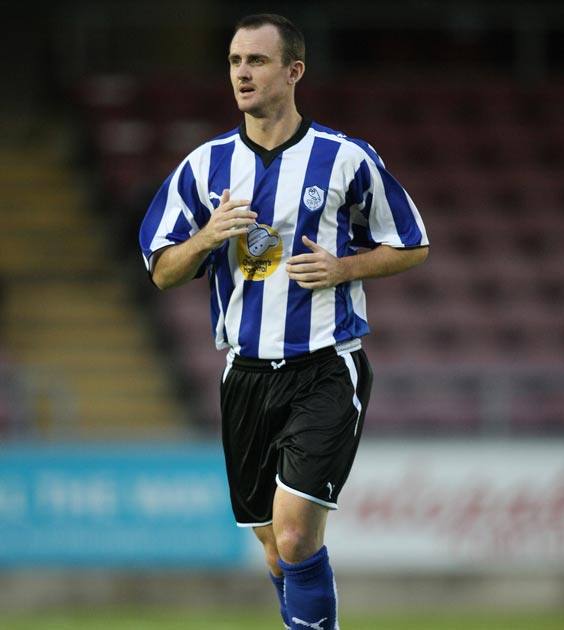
(260, 81)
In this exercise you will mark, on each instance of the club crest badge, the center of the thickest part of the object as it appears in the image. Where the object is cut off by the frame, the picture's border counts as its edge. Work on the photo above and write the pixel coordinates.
(314, 198)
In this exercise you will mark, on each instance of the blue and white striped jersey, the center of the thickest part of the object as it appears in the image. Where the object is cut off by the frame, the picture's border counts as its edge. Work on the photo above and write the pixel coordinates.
(334, 189)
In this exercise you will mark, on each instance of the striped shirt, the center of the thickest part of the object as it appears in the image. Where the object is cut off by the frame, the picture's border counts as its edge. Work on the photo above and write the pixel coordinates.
(334, 189)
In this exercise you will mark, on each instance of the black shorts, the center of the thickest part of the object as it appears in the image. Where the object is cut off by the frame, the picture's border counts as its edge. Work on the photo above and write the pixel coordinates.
(295, 423)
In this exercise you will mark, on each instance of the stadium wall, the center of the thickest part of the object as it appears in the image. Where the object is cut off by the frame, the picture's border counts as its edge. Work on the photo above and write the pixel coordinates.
(475, 523)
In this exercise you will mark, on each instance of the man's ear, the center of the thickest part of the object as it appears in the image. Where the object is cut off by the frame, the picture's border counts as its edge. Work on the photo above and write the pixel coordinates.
(297, 69)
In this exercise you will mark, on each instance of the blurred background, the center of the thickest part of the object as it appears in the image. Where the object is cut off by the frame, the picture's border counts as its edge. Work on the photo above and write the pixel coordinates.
(111, 480)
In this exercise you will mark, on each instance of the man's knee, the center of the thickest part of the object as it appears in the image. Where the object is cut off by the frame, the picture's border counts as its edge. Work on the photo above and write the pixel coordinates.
(298, 526)
(296, 544)
(266, 536)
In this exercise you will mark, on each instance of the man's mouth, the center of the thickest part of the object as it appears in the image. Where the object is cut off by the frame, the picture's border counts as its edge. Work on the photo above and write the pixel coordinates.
(246, 89)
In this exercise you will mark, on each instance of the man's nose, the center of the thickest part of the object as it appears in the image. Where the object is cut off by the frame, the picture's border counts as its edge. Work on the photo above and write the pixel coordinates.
(243, 71)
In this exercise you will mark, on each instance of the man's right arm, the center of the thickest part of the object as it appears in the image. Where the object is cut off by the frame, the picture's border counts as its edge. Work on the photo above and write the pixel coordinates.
(179, 264)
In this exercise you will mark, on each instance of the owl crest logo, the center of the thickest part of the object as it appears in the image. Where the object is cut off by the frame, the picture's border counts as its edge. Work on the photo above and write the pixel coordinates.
(314, 198)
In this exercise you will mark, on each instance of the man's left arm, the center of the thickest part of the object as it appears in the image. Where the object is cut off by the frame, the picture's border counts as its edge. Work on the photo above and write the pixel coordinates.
(320, 269)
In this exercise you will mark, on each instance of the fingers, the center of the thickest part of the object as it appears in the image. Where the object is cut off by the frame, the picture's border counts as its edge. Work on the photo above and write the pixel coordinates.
(300, 267)
(232, 217)
(233, 214)
(301, 258)
(311, 244)
(315, 270)
(308, 275)
(231, 204)
(226, 204)
(311, 282)
(304, 263)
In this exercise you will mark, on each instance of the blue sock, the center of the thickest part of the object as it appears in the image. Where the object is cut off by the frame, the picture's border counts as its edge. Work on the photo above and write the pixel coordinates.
(311, 596)
(279, 584)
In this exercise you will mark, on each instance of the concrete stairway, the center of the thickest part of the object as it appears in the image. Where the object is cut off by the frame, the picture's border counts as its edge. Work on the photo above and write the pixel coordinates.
(69, 323)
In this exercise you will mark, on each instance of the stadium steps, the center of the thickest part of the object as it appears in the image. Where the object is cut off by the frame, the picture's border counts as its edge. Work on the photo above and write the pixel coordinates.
(69, 322)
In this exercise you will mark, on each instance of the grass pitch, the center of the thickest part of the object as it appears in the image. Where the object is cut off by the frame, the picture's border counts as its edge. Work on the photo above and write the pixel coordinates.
(237, 620)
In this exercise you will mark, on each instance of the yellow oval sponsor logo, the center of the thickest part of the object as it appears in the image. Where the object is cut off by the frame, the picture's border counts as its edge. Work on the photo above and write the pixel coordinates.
(259, 252)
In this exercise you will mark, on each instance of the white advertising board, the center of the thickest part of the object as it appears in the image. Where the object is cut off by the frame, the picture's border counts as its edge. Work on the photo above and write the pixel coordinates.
(449, 505)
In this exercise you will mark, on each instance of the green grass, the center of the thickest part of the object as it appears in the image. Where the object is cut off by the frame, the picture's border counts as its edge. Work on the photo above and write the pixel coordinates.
(224, 620)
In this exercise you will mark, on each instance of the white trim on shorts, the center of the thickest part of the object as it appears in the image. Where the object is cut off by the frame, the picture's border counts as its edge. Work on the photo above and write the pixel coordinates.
(329, 505)
(346, 347)
(254, 524)
(354, 378)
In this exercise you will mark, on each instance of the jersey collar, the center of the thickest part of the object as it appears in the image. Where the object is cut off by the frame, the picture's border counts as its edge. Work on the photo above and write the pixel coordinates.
(268, 156)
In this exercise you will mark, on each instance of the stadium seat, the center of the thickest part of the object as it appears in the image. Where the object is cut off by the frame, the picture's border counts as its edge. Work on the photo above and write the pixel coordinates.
(482, 159)
(420, 409)
(107, 96)
(539, 413)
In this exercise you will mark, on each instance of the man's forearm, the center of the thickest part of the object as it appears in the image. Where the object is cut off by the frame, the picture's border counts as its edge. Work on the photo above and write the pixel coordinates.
(179, 264)
(381, 262)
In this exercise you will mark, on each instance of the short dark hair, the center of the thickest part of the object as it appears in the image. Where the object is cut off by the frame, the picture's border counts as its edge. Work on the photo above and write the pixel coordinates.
(293, 41)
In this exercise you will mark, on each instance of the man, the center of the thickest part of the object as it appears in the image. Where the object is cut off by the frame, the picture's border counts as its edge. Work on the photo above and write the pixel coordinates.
(277, 211)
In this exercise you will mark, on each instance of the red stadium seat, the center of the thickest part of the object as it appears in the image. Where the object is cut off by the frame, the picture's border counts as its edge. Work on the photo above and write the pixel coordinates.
(481, 159)
(103, 97)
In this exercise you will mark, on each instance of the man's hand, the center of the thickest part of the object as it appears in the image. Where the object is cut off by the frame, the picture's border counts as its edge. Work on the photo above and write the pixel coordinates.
(230, 218)
(321, 269)
(178, 264)
(318, 270)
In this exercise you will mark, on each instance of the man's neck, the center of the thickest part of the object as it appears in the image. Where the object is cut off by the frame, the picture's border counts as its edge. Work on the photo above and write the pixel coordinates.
(270, 133)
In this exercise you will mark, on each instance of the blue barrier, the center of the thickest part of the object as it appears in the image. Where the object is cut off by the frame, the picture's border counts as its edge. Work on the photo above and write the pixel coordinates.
(116, 506)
